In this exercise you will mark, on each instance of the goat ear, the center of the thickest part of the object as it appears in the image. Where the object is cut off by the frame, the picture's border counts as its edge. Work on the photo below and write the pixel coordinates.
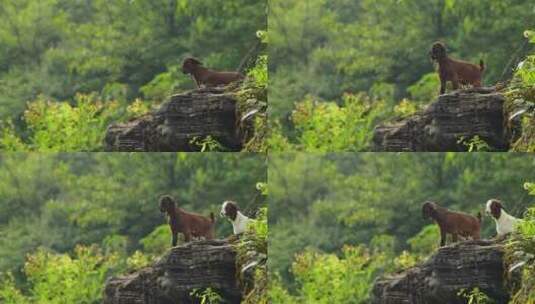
(495, 208)
(425, 210)
(196, 61)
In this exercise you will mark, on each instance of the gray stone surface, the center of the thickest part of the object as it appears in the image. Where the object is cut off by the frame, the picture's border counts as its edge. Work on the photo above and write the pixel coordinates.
(438, 128)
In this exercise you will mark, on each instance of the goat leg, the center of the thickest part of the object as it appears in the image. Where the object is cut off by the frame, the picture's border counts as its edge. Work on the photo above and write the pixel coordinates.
(442, 238)
(442, 86)
(197, 83)
(175, 239)
(455, 82)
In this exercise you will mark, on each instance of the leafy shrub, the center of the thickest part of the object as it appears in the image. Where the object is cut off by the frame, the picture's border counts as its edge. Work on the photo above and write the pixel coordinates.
(277, 292)
(206, 296)
(157, 242)
(60, 278)
(9, 293)
(326, 126)
(277, 141)
(138, 260)
(425, 242)
(405, 108)
(521, 95)
(165, 84)
(60, 126)
(520, 250)
(328, 278)
(255, 239)
(259, 73)
(207, 144)
(426, 89)
(475, 144)
(475, 296)
(252, 107)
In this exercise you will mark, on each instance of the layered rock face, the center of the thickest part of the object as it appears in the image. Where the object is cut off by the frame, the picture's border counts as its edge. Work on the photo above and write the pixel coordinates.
(464, 265)
(182, 270)
(180, 124)
(439, 128)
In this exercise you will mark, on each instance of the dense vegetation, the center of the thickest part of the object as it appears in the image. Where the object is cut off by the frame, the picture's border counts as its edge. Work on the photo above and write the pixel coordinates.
(69, 221)
(522, 246)
(337, 221)
(69, 68)
(339, 67)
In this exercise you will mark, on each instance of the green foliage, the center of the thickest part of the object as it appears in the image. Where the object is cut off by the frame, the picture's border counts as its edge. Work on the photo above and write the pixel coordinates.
(521, 95)
(475, 296)
(9, 293)
(207, 296)
(330, 127)
(426, 89)
(328, 278)
(57, 126)
(207, 144)
(475, 144)
(252, 107)
(57, 278)
(157, 242)
(405, 108)
(165, 84)
(259, 73)
(255, 239)
(521, 249)
(425, 242)
(277, 141)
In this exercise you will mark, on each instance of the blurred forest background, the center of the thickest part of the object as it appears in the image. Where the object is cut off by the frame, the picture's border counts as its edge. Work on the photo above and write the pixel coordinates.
(69, 68)
(69, 221)
(339, 67)
(337, 221)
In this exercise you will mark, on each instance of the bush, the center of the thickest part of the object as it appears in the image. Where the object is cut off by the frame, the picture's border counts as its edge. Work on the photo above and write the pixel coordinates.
(426, 89)
(520, 251)
(326, 126)
(521, 95)
(255, 240)
(60, 126)
(60, 278)
(328, 278)
(252, 107)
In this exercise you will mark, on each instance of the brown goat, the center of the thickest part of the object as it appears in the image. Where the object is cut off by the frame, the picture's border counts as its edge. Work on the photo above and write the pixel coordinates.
(207, 77)
(454, 223)
(456, 71)
(190, 224)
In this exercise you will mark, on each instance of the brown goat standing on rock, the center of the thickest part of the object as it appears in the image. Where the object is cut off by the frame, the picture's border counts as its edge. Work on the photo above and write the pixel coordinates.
(454, 223)
(207, 77)
(456, 71)
(190, 224)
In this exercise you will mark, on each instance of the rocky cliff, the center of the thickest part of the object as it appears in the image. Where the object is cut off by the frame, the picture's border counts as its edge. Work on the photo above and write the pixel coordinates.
(438, 280)
(182, 122)
(438, 128)
(182, 270)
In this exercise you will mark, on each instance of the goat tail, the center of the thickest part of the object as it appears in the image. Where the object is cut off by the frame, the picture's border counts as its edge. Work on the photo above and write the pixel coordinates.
(481, 65)
(479, 216)
(212, 217)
